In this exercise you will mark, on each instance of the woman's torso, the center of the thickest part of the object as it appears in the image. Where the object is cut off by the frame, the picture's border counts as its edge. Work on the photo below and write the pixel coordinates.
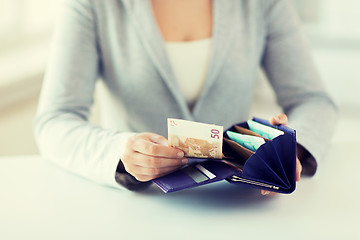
(137, 71)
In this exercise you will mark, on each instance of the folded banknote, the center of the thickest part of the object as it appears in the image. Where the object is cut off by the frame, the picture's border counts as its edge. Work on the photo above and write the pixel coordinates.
(196, 139)
(263, 130)
(250, 142)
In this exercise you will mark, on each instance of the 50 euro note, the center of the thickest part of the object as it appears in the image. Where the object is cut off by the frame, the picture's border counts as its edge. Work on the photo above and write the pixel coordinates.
(196, 139)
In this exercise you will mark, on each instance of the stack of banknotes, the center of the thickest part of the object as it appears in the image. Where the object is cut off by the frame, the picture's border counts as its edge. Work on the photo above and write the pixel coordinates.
(202, 140)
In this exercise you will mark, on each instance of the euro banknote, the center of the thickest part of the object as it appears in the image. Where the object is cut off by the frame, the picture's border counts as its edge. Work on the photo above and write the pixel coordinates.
(263, 130)
(250, 142)
(196, 139)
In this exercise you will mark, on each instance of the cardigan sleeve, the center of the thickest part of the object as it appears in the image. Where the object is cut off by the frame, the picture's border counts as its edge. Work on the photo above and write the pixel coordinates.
(61, 126)
(291, 71)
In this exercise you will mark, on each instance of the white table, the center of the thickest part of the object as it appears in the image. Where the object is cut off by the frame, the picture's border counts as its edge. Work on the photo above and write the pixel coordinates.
(40, 201)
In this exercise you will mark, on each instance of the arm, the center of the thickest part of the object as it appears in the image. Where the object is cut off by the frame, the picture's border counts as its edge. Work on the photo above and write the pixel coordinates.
(62, 130)
(300, 92)
(61, 126)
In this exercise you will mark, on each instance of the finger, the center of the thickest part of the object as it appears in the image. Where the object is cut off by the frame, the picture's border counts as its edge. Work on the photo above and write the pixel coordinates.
(154, 149)
(153, 172)
(145, 178)
(298, 170)
(279, 119)
(147, 174)
(156, 162)
(265, 192)
(155, 138)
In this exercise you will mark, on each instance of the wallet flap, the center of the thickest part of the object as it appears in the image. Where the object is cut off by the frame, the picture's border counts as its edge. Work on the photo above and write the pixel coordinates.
(274, 163)
(195, 175)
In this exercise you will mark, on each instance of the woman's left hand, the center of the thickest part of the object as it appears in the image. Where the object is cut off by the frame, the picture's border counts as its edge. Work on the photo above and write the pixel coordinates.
(282, 119)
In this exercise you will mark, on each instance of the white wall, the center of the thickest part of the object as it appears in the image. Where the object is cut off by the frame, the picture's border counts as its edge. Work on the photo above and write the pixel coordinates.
(340, 19)
(332, 27)
(333, 30)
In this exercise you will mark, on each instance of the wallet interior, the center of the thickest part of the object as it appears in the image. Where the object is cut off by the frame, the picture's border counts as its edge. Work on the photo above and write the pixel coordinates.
(236, 153)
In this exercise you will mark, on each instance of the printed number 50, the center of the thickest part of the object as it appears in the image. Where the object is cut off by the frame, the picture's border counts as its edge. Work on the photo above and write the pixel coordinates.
(215, 133)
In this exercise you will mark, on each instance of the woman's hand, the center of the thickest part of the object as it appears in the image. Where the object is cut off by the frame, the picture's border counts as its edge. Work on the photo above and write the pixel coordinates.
(147, 156)
(282, 119)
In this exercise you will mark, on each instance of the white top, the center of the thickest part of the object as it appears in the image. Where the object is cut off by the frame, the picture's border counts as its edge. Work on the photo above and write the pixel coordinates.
(190, 62)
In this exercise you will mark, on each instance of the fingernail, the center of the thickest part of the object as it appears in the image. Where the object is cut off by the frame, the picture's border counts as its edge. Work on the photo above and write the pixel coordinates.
(180, 154)
(266, 193)
(184, 161)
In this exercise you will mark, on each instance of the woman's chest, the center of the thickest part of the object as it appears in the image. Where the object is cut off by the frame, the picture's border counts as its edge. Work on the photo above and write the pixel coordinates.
(132, 48)
(185, 20)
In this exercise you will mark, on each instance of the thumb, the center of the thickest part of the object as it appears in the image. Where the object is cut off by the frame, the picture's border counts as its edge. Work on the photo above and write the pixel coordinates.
(279, 119)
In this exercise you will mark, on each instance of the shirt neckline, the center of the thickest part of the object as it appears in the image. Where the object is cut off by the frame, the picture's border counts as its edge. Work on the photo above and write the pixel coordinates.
(190, 42)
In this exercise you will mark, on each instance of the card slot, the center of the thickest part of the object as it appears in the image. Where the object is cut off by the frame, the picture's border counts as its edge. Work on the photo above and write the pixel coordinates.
(246, 131)
(234, 150)
(195, 174)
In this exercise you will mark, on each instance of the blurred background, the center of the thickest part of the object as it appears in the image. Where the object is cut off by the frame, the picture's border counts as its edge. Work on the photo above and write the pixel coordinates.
(26, 28)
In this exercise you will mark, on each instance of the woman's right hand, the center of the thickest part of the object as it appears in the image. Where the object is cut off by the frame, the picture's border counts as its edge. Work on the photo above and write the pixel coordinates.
(147, 156)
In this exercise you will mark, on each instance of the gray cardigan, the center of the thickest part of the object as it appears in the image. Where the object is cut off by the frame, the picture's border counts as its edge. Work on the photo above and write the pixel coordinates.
(119, 42)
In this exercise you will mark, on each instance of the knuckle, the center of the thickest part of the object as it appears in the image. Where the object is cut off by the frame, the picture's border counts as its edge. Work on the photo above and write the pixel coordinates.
(156, 172)
(152, 173)
(160, 138)
(151, 149)
(153, 161)
(130, 142)
(143, 135)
